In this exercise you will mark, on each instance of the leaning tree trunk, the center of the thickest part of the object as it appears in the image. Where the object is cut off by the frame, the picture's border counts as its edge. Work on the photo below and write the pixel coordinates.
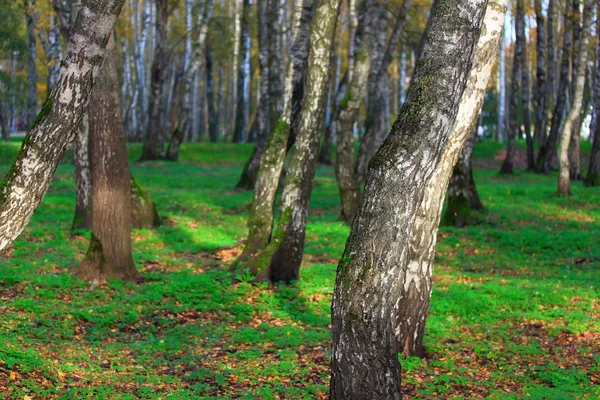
(109, 255)
(546, 153)
(541, 100)
(577, 101)
(413, 306)
(151, 150)
(284, 253)
(374, 273)
(593, 175)
(31, 66)
(260, 221)
(349, 108)
(516, 85)
(28, 180)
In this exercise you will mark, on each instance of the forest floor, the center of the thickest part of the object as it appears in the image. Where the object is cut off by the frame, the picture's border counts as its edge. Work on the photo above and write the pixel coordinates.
(515, 311)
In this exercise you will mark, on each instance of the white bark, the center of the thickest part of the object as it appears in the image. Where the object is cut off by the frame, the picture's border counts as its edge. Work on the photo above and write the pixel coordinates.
(28, 180)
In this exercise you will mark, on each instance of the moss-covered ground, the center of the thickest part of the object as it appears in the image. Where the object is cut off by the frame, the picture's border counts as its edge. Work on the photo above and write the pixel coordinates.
(515, 310)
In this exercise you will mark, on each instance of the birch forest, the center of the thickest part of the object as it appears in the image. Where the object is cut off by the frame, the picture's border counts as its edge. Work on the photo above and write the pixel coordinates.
(299, 199)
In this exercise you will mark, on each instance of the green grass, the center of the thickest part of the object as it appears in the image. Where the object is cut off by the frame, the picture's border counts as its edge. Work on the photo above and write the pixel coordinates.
(515, 310)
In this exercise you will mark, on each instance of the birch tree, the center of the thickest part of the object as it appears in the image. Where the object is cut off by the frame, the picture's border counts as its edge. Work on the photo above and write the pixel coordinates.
(25, 184)
(542, 96)
(575, 110)
(374, 267)
(260, 222)
(546, 153)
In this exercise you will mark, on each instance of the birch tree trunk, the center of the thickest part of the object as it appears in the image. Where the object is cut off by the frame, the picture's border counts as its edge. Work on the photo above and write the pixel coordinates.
(376, 124)
(349, 108)
(501, 124)
(593, 176)
(576, 103)
(152, 149)
(83, 178)
(260, 222)
(285, 250)
(525, 88)
(241, 121)
(546, 153)
(213, 133)
(542, 97)
(31, 60)
(28, 180)
(109, 255)
(516, 90)
(552, 57)
(414, 305)
(574, 148)
(374, 271)
(190, 85)
(266, 105)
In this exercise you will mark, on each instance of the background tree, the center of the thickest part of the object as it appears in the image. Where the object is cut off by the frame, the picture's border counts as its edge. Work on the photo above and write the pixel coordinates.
(109, 254)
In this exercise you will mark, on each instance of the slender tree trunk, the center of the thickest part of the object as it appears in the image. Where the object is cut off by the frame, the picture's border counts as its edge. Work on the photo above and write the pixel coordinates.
(413, 306)
(574, 149)
(331, 128)
(28, 180)
(349, 108)
(50, 40)
(593, 175)
(546, 153)
(375, 125)
(31, 60)
(374, 272)
(552, 56)
(213, 133)
(542, 95)
(525, 88)
(151, 150)
(220, 107)
(285, 250)
(190, 84)
(517, 88)
(501, 124)
(109, 254)
(577, 101)
(269, 107)
(260, 221)
(241, 122)
(4, 122)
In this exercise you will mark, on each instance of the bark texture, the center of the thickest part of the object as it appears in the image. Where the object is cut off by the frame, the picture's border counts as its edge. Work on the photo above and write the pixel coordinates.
(83, 178)
(109, 255)
(28, 180)
(260, 222)
(413, 306)
(374, 270)
(575, 110)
